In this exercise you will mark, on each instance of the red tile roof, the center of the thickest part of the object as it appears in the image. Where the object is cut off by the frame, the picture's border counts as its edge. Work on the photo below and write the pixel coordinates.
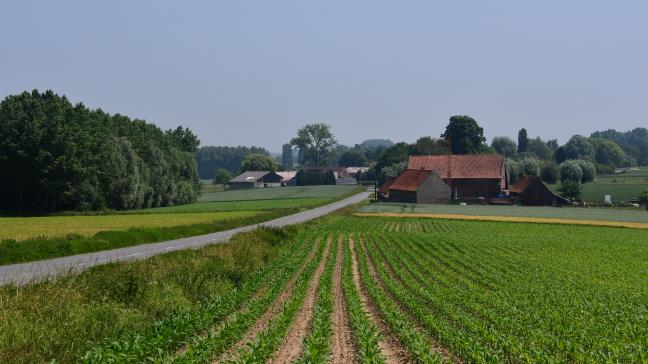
(476, 166)
(384, 189)
(410, 180)
(523, 183)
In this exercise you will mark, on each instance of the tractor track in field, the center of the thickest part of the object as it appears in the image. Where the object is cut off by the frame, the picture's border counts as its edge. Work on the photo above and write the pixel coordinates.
(301, 326)
(445, 353)
(342, 348)
(390, 346)
(263, 323)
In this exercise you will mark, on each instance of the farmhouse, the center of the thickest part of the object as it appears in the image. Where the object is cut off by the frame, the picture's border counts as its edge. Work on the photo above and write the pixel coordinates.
(288, 178)
(469, 175)
(255, 179)
(418, 186)
(530, 191)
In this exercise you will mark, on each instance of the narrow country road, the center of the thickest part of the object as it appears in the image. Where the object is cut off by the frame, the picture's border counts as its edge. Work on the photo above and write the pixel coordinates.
(24, 273)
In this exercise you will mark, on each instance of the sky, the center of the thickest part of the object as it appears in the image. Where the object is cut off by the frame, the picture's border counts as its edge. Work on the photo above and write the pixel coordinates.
(253, 72)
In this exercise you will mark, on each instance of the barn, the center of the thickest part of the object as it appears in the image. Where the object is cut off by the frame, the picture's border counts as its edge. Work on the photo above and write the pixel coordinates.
(469, 176)
(255, 179)
(419, 186)
(530, 191)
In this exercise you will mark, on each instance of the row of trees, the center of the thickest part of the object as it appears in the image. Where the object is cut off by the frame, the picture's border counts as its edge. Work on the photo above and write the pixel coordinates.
(211, 159)
(58, 156)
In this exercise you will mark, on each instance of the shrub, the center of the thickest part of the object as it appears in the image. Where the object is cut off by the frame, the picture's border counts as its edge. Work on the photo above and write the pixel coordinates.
(222, 176)
(643, 198)
(550, 173)
(589, 170)
(571, 171)
(570, 189)
(530, 167)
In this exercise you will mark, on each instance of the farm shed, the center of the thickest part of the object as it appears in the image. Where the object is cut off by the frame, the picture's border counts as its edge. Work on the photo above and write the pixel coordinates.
(471, 175)
(418, 186)
(530, 191)
(288, 178)
(383, 191)
(342, 176)
(255, 179)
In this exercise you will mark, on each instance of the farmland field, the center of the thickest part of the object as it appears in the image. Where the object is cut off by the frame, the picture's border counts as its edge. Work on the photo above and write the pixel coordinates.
(21, 228)
(278, 193)
(638, 215)
(24, 239)
(369, 290)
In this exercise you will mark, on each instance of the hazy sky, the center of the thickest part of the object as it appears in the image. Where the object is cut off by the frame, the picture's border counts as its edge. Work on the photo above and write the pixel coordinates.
(253, 72)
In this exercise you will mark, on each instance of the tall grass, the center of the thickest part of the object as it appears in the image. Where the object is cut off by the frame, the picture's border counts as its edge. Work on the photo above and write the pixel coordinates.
(62, 319)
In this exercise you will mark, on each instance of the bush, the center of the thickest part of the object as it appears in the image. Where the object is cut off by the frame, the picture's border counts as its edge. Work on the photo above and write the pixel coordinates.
(314, 178)
(589, 170)
(570, 189)
(514, 170)
(222, 176)
(643, 198)
(550, 173)
(571, 171)
(530, 167)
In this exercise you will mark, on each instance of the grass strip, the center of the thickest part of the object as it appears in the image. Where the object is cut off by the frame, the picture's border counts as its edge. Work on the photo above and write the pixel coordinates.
(172, 332)
(206, 347)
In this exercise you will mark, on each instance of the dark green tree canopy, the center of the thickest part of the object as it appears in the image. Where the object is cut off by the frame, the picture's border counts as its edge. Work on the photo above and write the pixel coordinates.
(353, 158)
(504, 145)
(428, 146)
(579, 147)
(259, 162)
(222, 176)
(315, 140)
(212, 158)
(58, 156)
(465, 134)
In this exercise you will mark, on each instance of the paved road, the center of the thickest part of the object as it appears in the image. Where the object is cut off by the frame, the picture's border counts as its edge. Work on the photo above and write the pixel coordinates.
(25, 273)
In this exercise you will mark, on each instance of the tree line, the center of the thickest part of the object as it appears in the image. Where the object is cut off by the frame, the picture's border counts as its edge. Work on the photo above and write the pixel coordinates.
(58, 156)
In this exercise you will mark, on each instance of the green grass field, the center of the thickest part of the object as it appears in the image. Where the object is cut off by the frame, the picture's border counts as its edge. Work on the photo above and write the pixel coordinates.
(21, 228)
(622, 187)
(581, 213)
(24, 239)
(419, 290)
(278, 193)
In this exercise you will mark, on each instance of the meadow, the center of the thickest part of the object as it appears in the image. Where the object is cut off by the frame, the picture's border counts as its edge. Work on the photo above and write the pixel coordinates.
(20, 228)
(379, 289)
(622, 187)
(24, 239)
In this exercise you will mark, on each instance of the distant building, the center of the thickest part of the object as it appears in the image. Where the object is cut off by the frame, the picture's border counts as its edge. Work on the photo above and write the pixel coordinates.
(469, 175)
(287, 156)
(288, 178)
(530, 191)
(418, 186)
(255, 179)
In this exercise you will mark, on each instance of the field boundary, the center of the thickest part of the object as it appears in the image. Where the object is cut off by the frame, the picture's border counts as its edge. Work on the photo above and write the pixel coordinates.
(31, 272)
(537, 220)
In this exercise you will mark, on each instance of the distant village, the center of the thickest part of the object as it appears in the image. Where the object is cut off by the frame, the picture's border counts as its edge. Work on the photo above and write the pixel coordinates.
(432, 179)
